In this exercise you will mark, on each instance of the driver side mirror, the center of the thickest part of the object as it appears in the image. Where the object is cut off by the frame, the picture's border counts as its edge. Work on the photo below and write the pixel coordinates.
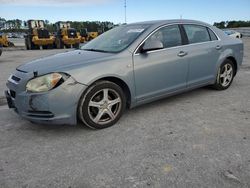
(150, 45)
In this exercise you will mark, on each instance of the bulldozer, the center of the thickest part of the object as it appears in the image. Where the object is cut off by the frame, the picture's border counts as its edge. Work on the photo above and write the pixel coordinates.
(66, 36)
(38, 36)
(4, 41)
(87, 36)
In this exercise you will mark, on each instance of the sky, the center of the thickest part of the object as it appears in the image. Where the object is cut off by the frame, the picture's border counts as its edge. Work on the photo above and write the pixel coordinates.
(137, 10)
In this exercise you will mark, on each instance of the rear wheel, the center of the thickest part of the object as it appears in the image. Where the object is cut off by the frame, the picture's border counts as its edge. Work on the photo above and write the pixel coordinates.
(45, 47)
(11, 44)
(31, 45)
(26, 44)
(102, 105)
(76, 45)
(225, 75)
(50, 46)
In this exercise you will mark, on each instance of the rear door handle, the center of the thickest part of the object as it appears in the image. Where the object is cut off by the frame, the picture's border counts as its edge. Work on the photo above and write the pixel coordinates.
(182, 54)
(218, 47)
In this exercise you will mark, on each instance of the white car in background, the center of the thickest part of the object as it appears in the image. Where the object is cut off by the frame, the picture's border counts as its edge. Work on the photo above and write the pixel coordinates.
(233, 33)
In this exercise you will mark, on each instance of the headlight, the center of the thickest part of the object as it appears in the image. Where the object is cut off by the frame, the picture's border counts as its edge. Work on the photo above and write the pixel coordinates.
(45, 83)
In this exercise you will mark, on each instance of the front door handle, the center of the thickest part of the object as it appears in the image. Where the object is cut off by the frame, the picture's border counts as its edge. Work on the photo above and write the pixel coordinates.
(218, 47)
(182, 54)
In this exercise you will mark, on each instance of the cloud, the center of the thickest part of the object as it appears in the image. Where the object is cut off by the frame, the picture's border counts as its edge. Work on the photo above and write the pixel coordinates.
(53, 2)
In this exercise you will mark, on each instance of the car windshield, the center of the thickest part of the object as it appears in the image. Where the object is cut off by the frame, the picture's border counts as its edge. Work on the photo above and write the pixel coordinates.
(116, 39)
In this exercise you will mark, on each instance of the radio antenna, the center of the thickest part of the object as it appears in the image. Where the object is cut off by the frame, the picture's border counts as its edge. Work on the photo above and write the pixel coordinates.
(125, 11)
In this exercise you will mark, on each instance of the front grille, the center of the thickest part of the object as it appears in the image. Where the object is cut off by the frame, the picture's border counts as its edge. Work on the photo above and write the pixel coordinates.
(15, 78)
(43, 33)
(40, 114)
(71, 33)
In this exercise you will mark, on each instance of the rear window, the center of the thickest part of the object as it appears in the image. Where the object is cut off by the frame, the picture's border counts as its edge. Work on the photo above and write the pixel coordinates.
(212, 35)
(196, 33)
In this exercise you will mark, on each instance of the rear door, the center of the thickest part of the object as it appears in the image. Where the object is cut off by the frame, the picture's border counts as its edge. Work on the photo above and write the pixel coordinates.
(204, 51)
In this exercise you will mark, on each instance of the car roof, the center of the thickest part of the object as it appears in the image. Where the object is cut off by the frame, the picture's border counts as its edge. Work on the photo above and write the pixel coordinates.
(164, 22)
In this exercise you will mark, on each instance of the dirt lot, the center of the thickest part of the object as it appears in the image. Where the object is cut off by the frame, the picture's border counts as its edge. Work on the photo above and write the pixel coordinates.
(197, 139)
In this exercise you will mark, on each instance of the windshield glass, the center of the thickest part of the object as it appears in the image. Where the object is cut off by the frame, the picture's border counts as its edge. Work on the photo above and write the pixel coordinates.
(117, 39)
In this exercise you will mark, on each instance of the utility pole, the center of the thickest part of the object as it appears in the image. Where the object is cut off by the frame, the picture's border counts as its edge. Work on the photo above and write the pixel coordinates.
(125, 9)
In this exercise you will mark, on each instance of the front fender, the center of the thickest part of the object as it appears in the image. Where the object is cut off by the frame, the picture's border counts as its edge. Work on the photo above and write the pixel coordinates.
(121, 69)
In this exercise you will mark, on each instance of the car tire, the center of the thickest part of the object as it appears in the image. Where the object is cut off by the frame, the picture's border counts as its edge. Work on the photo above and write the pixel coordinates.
(76, 46)
(45, 47)
(59, 43)
(26, 44)
(102, 105)
(225, 75)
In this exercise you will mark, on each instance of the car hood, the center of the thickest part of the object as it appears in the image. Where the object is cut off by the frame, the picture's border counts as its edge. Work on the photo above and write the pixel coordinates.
(62, 61)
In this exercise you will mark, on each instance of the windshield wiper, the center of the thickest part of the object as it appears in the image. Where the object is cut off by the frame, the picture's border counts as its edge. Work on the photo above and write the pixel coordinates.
(96, 50)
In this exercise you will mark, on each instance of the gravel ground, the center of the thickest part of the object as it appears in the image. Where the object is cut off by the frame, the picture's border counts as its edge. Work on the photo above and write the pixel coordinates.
(196, 139)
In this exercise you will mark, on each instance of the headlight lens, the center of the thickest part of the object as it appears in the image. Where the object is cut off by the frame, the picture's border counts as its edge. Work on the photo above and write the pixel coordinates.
(44, 83)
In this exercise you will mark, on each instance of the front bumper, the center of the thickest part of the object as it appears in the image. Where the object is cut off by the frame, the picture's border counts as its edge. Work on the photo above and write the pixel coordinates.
(42, 42)
(57, 106)
(71, 41)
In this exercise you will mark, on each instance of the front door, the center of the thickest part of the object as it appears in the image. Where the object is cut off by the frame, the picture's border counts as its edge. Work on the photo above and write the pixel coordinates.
(159, 72)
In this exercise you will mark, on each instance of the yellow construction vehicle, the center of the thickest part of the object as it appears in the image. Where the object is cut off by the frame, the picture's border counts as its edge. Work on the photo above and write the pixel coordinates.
(66, 36)
(87, 36)
(38, 36)
(4, 41)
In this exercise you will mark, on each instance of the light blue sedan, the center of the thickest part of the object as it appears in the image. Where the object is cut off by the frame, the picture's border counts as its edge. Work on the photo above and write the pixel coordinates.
(125, 67)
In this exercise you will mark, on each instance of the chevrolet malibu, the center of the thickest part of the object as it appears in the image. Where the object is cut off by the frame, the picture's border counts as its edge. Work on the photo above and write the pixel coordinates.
(125, 67)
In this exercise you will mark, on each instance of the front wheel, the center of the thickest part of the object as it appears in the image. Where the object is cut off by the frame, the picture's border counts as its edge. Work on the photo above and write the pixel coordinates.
(225, 75)
(102, 105)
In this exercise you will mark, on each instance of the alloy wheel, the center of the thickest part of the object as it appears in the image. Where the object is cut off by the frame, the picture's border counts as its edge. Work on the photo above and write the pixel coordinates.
(226, 75)
(104, 106)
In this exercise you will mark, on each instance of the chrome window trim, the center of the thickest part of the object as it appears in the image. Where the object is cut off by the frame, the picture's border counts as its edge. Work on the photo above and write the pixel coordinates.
(214, 34)
(198, 43)
(164, 49)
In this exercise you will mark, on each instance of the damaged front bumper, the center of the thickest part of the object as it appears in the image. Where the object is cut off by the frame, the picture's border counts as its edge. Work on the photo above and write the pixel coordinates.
(57, 106)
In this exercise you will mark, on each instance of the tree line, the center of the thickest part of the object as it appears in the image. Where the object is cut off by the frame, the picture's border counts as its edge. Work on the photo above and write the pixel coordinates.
(90, 26)
(19, 25)
(103, 26)
(232, 24)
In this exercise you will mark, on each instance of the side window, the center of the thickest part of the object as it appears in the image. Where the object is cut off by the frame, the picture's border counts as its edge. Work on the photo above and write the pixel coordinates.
(196, 33)
(170, 36)
(212, 35)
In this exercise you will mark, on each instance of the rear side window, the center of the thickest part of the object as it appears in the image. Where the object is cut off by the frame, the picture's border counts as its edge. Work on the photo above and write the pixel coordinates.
(196, 33)
(212, 35)
(170, 36)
